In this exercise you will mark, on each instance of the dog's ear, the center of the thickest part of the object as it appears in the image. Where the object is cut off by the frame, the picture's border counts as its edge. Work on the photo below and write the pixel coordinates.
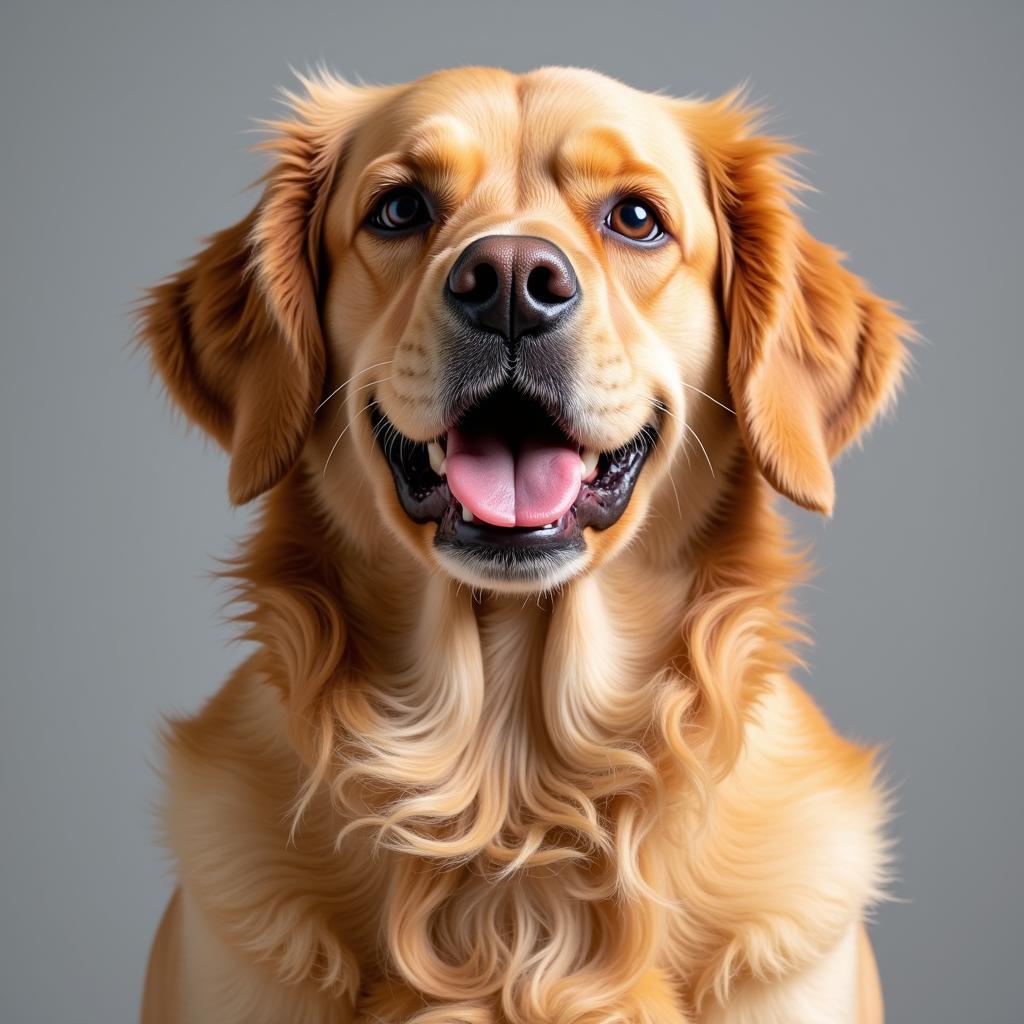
(236, 334)
(813, 354)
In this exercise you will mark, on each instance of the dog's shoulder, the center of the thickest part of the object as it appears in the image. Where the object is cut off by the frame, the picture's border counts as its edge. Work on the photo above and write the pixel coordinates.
(231, 758)
(270, 891)
(793, 852)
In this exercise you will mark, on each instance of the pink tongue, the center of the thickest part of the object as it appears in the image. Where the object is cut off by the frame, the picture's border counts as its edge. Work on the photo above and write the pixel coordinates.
(531, 487)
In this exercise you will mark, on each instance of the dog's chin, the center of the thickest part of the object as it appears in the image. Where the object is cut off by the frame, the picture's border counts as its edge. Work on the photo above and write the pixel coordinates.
(511, 557)
(511, 560)
(511, 571)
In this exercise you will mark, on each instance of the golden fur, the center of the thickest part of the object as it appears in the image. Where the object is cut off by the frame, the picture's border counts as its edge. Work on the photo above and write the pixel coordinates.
(602, 801)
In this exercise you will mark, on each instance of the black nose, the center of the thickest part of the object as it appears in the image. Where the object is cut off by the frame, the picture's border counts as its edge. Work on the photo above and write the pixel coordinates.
(513, 284)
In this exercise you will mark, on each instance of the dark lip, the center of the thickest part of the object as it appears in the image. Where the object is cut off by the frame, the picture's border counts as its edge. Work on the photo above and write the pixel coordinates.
(425, 497)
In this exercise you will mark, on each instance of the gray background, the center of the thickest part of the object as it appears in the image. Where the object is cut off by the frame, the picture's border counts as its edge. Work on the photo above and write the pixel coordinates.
(122, 142)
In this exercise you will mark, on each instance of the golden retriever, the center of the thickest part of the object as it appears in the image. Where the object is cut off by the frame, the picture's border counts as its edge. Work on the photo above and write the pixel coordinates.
(516, 361)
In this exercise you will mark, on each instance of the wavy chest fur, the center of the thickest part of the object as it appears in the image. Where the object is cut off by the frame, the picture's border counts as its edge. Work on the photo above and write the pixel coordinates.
(528, 811)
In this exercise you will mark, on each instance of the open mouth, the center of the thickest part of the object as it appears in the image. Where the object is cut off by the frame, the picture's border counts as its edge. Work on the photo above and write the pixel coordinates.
(506, 483)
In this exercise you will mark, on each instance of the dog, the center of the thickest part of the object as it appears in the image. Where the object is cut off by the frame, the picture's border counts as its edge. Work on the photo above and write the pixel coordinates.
(518, 363)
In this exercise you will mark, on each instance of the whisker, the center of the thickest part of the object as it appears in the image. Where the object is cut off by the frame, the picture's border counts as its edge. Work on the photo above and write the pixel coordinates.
(377, 431)
(343, 433)
(395, 436)
(358, 373)
(671, 479)
(355, 391)
(701, 443)
(373, 436)
(686, 452)
(675, 491)
(371, 384)
(710, 398)
(661, 407)
(686, 426)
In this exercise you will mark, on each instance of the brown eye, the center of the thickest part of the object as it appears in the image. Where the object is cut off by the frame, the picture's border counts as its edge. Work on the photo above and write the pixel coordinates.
(401, 209)
(634, 219)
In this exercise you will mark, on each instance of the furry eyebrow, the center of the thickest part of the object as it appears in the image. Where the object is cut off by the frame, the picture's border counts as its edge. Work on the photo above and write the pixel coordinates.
(597, 162)
(600, 151)
(440, 154)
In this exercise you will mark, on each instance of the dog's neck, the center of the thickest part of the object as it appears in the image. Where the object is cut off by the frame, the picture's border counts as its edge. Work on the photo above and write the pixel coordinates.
(414, 698)
(561, 745)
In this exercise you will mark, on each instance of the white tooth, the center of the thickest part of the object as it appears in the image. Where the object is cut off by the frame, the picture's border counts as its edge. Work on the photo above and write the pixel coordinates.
(589, 459)
(436, 455)
(467, 516)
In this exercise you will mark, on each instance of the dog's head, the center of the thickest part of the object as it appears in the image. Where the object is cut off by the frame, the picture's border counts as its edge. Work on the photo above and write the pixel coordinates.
(508, 319)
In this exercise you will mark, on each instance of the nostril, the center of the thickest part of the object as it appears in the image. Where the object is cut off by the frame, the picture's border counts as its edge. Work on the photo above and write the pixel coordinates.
(548, 286)
(475, 284)
(512, 285)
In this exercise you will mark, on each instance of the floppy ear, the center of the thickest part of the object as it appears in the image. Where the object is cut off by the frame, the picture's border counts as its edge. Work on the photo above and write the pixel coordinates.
(236, 334)
(813, 354)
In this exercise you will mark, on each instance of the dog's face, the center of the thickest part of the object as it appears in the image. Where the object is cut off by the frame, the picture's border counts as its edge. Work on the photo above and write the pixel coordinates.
(521, 276)
(506, 315)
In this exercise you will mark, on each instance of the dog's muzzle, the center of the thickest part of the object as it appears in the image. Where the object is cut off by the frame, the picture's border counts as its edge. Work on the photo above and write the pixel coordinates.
(507, 480)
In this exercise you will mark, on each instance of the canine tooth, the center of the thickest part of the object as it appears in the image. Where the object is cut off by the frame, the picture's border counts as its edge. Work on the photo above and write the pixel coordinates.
(589, 459)
(436, 455)
(467, 516)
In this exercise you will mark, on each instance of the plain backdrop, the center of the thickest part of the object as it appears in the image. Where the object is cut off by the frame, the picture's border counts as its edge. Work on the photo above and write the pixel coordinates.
(123, 141)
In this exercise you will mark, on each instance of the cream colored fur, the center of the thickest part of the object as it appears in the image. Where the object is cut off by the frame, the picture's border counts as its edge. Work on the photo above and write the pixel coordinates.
(426, 798)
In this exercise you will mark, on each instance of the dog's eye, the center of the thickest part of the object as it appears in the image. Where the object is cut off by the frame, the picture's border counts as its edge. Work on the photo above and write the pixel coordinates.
(634, 219)
(401, 209)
